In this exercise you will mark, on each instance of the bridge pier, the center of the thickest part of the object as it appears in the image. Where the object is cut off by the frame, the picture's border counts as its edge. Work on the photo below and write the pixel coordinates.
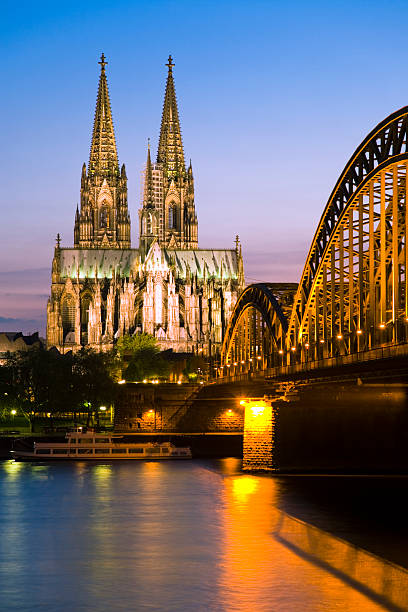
(259, 435)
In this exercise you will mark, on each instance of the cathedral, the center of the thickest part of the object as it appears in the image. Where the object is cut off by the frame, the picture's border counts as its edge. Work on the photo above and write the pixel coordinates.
(103, 288)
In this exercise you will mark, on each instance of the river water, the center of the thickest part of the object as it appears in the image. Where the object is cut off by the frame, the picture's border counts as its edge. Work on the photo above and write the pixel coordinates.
(185, 536)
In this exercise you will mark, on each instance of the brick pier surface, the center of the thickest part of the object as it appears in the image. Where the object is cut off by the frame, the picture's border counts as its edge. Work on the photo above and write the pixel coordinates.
(169, 407)
(259, 436)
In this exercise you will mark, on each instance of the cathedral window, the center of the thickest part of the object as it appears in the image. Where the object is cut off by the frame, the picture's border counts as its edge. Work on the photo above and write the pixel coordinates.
(68, 315)
(104, 217)
(85, 302)
(172, 216)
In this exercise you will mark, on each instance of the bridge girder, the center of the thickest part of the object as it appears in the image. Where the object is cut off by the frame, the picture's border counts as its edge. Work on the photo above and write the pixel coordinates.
(257, 328)
(353, 293)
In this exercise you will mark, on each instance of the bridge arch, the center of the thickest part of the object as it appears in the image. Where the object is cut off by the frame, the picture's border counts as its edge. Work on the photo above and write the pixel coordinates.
(353, 291)
(255, 335)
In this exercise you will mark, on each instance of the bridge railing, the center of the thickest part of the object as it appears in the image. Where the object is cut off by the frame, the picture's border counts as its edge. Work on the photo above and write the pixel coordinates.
(383, 352)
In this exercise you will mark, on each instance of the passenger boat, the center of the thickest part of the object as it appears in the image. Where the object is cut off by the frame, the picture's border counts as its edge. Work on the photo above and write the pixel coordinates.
(88, 445)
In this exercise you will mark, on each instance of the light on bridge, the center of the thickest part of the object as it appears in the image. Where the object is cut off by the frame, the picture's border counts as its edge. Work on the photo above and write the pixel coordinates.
(293, 348)
(339, 337)
(307, 345)
(242, 361)
(235, 363)
(382, 325)
(321, 341)
(259, 357)
(359, 332)
(281, 352)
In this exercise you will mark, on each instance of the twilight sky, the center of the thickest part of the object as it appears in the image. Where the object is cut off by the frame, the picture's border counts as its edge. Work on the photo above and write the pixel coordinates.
(273, 97)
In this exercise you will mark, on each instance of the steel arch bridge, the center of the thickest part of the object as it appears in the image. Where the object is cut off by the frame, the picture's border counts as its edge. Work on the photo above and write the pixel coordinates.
(353, 293)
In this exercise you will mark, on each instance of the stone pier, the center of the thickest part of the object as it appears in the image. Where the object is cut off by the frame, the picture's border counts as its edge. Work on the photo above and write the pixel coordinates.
(259, 435)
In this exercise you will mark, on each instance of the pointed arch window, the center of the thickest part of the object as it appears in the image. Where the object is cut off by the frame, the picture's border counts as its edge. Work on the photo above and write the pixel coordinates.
(85, 302)
(68, 314)
(104, 217)
(172, 216)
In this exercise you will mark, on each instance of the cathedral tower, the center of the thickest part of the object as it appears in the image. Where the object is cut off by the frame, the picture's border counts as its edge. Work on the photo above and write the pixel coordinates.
(103, 219)
(168, 186)
(102, 289)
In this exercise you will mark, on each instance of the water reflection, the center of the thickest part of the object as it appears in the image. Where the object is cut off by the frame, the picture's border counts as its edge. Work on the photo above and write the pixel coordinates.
(273, 557)
(177, 537)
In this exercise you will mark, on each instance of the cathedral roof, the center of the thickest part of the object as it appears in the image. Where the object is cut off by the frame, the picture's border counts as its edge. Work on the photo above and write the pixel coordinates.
(107, 261)
(204, 262)
(103, 158)
(170, 152)
(201, 262)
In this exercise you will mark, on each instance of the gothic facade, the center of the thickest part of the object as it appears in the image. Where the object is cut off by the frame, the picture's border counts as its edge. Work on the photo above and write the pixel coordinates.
(168, 287)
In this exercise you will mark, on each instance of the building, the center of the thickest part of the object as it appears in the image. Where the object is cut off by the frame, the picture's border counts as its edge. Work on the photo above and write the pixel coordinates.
(168, 287)
(12, 342)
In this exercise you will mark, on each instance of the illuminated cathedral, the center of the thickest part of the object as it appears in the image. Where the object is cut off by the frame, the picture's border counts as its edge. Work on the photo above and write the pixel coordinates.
(168, 287)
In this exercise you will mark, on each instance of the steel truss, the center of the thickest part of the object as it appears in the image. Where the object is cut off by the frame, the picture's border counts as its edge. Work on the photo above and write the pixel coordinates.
(255, 336)
(353, 294)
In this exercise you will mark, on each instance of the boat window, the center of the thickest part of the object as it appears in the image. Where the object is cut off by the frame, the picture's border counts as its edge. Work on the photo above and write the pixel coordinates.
(44, 451)
(72, 440)
(165, 450)
(102, 440)
(153, 450)
(72, 451)
(102, 450)
(84, 451)
(135, 450)
(60, 451)
(119, 450)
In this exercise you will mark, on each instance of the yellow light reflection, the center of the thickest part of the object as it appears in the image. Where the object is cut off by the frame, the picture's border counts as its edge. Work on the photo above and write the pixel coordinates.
(259, 540)
(12, 468)
(243, 487)
(103, 473)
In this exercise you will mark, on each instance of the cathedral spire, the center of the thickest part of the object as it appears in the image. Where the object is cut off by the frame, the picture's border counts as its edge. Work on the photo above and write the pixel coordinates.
(103, 158)
(149, 194)
(170, 152)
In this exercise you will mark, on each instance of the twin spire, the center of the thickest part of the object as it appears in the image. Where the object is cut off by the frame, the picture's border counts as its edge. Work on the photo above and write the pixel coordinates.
(170, 152)
(103, 158)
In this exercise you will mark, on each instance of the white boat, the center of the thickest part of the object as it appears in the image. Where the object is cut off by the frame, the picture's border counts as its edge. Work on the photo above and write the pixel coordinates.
(89, 445)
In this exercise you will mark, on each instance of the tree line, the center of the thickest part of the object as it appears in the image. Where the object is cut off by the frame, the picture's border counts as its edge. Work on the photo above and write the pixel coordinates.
(40, 382)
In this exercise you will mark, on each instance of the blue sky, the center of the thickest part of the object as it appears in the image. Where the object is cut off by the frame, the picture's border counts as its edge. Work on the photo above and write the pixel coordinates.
(274, 98)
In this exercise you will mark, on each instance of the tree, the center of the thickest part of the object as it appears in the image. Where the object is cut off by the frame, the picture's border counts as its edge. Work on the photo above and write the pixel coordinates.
(140, 358)
(37, 381)
(196, 368)
(93, 382)
(128, 345)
